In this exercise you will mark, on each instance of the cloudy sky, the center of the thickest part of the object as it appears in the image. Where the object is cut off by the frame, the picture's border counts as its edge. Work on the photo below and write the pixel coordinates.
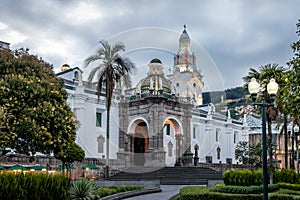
(230, 35)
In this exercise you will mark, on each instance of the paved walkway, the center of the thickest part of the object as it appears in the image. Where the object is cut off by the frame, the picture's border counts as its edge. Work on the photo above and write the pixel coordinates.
(168, 191)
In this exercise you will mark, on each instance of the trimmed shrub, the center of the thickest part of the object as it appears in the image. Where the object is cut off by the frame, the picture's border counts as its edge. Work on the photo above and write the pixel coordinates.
(38, 186)
(286, 176)
(106, 191)
(247, 189)
(289, 186)
(205, 193)
(242, 177)
(283, 197)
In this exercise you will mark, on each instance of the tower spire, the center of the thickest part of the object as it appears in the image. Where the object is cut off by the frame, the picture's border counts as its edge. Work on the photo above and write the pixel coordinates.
(184, 28)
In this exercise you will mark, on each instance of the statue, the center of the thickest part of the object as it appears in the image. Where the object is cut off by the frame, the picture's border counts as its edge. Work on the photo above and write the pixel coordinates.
(160, 84)
(151, 84)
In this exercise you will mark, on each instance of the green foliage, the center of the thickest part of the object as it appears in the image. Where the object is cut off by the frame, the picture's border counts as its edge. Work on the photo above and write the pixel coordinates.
(73, 152)
(290, 90)
(247, 189)
(106, 191)
(282, 196)
(205, 193)
(83, 189)
(286, 176)
(290, 186)
(242, 177)
(38, 186)
(290, 191)
(249, 154)
(35, 115)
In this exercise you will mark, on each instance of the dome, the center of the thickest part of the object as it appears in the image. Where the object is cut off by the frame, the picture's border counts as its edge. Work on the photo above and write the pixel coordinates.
(155, 79)
(65, 67)
(184, 37)
(155, 60)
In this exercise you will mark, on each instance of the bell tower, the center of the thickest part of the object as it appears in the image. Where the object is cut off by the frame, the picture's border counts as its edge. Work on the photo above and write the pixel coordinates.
(186, 78)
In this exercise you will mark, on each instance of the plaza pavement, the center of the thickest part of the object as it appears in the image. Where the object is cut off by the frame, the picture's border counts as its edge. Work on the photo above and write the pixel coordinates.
(167, 192)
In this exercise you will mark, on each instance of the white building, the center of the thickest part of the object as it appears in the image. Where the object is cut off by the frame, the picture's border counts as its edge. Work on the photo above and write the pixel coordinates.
(159, 122)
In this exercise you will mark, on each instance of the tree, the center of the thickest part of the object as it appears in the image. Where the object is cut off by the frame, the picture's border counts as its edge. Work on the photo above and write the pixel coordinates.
(69, 153)
(35, 116)
(247, 154)
(242, 152)
(255, 155)
(111, 69)
(263, 76)
(291, 89)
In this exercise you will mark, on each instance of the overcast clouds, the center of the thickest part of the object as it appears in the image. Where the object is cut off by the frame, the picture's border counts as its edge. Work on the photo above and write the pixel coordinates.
(236, 34)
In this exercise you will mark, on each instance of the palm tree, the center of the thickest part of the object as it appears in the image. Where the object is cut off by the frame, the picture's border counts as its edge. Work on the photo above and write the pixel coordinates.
(111, 69)
(263, 75)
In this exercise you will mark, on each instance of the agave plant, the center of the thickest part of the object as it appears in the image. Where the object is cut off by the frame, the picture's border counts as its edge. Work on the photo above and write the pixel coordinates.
(83, 189)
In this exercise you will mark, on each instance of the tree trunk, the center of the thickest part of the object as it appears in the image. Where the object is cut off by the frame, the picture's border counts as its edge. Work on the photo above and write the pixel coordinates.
(107, 144)
(285, 142)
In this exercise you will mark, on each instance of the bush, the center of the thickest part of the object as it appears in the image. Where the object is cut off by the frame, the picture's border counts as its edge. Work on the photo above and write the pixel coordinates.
(38, 186)
(83, 189)
(289, 186)
(106, 191)
(283, 197)
(243, 177)
(205, 193)
(286, 176)
(247, 189)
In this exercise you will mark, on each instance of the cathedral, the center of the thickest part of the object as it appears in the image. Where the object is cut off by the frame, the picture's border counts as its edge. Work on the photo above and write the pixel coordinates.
(159, 122)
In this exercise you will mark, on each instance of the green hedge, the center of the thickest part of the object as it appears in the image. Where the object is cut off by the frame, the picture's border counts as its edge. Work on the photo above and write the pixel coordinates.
(246, 189)
(286, 176)
(247, 177)
(106, 191)
(243, 177)
(289, 186)
(205, 193)
(37, 186)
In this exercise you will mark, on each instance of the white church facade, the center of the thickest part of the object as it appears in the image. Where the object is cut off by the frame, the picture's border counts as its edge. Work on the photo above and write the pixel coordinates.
(159, 122)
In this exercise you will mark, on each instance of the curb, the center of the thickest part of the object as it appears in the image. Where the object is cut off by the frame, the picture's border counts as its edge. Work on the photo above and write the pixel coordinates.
(128, 194)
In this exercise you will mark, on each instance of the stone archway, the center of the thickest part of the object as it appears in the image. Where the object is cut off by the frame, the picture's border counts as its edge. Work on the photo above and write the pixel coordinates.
(139, 142)
(174, 129)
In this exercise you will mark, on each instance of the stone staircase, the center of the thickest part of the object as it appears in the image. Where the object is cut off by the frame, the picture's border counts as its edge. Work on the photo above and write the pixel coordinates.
(169, 175)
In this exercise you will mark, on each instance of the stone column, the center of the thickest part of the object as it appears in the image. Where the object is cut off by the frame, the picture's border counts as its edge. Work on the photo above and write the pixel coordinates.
(196, 158)
(178, 138)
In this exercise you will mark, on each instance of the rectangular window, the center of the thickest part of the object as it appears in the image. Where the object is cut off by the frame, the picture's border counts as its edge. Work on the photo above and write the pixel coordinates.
(98, 119)
(234, 137)
(168, 129)
(217, 134)
(194, 132)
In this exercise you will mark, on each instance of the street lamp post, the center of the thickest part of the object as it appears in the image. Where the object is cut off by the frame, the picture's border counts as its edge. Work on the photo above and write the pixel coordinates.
(296, 131)
(272, 88)
(290, 128)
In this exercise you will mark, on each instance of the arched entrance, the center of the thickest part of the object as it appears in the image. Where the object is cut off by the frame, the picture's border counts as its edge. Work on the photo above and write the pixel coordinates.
(139, 143)
(173, 141)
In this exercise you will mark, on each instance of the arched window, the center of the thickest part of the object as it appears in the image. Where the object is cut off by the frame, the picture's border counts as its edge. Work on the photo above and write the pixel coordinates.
(76, 76)
(218, 153)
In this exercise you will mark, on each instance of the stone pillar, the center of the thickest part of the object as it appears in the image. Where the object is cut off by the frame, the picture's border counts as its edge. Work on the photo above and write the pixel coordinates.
(178, 138)
(123, 123)
(186, 122)
(196, 158)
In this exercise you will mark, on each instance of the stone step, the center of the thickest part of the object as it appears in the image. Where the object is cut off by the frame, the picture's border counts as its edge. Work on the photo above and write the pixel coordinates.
(171, 175)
